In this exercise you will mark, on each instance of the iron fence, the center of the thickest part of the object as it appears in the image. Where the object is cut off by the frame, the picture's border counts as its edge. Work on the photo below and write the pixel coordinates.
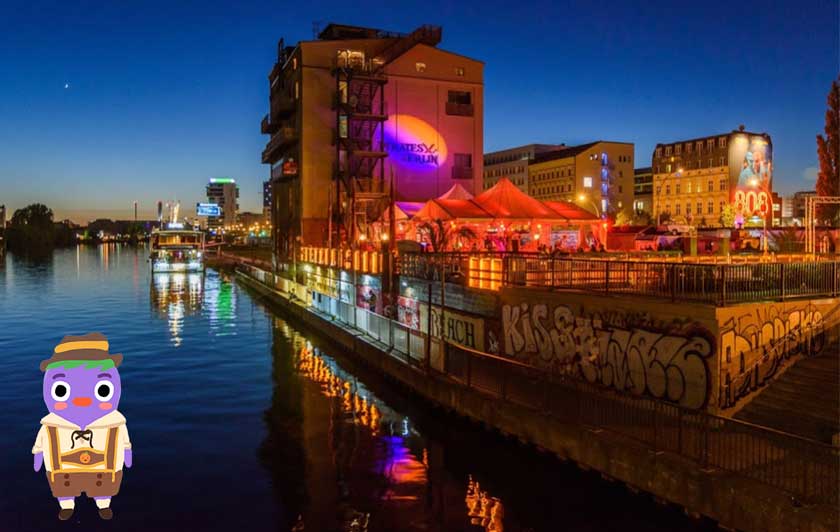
(807, 469)
(804, 468)
(718, 284)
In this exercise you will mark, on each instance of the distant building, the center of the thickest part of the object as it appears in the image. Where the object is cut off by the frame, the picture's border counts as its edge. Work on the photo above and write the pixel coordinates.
(249, 219)
(2, 217)
(598, 176)
(223, 192)
(695, 179)
(798, 205)
(512, 163)
(266, 200)
(357, 109)
(643, 190)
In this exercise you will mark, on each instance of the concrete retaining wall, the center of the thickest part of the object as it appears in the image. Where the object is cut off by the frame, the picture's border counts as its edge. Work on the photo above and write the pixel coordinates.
(734, 502)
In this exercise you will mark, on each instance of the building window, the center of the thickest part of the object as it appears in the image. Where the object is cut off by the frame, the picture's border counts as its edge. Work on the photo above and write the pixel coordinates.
(587, 182)
(420, 67)
(722, 185)
(711, 163)
(462, 168)
(459, 103)
(659, 152)
(699, 207)
(667, 150)
(688, 188)
(688, 147)
(678, 149)
(668, 168)
(620, 189)
(722, 205)
(722, 163)
(699, 145)
(710, 144)
(667, 190)
(688, 209)
(710, 207)
(678, 209)
(459, 71)
(677, 188)
(710, 186)
(722, 142)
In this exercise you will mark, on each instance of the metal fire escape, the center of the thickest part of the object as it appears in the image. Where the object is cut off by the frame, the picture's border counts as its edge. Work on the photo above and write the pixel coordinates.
(360, 194)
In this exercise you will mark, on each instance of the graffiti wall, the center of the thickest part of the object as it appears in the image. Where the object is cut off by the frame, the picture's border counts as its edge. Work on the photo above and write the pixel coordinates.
(626, 348)
(757, 342)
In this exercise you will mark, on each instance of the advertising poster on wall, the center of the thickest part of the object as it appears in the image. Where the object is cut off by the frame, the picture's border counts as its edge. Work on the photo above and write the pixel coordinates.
(750, 174)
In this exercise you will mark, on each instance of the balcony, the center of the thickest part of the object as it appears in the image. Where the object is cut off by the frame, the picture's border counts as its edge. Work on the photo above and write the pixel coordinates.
(282, 105)
(459, 109)
(462, 172)
(285, 136)
(268, 126)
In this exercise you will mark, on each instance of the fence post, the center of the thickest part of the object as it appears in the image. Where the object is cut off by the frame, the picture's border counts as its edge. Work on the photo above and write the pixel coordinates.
(722, 270)
(607, 278)
(782, 279)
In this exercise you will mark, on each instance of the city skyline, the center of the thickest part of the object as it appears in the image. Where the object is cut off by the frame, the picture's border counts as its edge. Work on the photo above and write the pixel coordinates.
(101, 114)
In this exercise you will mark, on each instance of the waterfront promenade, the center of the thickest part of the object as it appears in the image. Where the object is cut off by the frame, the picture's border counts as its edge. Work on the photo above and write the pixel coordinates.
(676, 453)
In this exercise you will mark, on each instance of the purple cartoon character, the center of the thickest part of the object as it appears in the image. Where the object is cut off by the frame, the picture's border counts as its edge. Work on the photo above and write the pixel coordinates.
(83, 442)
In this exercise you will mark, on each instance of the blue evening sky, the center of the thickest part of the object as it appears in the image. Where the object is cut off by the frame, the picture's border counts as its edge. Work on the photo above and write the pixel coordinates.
(165, 94)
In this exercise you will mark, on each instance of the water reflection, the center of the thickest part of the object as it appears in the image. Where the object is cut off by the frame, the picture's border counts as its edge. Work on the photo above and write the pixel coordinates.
(220, 300)
(483, 510)
(173, 297)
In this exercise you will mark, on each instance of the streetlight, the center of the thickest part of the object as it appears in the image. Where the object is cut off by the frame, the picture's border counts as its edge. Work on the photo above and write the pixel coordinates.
(768, 209)
(584, 198)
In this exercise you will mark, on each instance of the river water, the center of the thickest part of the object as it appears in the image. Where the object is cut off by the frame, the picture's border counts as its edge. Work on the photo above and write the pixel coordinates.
(239, 421)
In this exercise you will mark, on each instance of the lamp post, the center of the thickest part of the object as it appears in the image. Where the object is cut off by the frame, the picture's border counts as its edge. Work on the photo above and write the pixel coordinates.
(585, 198)
(768, 209)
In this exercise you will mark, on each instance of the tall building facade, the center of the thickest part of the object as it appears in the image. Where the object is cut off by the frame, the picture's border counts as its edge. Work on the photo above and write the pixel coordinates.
(695, 180)
(266, 197)
(224, 192)
(643, 190)
(512, 163)
(598, 176)
(357, 110)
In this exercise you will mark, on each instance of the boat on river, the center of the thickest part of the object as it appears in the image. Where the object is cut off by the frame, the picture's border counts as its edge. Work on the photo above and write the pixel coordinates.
(176, 248)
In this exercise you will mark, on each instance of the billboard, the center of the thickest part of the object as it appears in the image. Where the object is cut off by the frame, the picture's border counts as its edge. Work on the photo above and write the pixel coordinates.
(207, 209)
(750, 174)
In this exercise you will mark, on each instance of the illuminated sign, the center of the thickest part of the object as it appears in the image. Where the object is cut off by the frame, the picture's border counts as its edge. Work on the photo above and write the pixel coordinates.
(414, 153)
(413, 143)
(208, 209)
(222, 180)
(750, 174)
(290, 167)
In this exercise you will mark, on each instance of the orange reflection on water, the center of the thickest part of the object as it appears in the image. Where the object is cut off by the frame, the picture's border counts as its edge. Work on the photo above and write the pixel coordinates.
(483, 510)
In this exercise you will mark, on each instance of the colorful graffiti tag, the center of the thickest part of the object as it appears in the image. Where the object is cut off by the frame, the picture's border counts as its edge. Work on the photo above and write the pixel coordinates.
(755, 346)
(626, 352)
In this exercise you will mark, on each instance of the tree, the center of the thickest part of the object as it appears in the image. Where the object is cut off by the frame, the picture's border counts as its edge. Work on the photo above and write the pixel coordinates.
(442, 235)
(828, 152)
(727, 216)
(31, 229)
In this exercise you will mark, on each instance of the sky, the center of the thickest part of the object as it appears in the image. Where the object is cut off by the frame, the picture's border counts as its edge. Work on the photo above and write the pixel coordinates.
(104, 103)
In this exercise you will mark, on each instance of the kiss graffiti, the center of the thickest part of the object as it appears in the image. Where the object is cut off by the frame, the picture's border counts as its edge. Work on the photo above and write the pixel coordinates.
(628, 359)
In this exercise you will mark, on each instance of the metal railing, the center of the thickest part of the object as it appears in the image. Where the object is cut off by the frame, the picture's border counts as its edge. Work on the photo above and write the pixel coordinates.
(807, 469)
(718, 284)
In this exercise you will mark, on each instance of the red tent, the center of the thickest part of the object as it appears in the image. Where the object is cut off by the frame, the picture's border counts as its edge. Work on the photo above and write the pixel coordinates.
(505, 201)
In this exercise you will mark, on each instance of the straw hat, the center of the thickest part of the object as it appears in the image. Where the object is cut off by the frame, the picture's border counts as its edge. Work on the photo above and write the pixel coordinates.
(91, 346)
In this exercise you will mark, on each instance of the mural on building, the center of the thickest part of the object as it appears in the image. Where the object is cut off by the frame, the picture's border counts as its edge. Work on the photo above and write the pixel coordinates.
(754, 346)
(750, 174)
(627, 351)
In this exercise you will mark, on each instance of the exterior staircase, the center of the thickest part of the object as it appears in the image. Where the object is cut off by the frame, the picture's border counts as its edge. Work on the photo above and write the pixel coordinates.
(804, 400)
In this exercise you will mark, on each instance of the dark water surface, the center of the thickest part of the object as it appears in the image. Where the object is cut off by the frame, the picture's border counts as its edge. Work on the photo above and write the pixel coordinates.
(241, 422)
